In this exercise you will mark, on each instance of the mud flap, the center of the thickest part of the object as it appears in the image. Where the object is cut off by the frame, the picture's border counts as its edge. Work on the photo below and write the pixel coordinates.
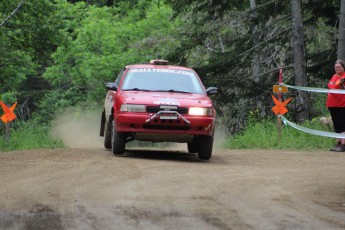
(101, 133)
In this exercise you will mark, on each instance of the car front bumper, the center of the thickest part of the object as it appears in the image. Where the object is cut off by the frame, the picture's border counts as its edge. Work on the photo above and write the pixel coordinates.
(148, 123)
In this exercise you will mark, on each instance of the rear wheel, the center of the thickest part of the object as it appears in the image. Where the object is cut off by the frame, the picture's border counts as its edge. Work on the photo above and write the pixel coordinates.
(118, 141)
(107, 135)
(205, 147)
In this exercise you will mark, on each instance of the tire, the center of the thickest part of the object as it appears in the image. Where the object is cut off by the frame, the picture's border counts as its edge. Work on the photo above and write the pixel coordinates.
(107, 135)
(206, 145)
(117, 141)
(193, 147)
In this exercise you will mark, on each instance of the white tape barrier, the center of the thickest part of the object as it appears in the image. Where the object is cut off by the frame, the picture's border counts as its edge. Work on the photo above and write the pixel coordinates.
(318, 90)
(312, 131)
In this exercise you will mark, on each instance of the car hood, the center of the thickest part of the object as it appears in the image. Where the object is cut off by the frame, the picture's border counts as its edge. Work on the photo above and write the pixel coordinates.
(166, 98)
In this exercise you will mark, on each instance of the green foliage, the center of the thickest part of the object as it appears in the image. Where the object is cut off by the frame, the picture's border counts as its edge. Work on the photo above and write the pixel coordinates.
(264, 135)
(54, 102)
(99, 42)
(319, 105)
(27, 40)
(28, 135)
(221, 40)
(14, 64)
(8, 98)
(321, 51)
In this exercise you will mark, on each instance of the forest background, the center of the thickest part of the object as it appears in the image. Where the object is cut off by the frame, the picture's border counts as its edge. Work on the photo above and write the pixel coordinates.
(59, 54)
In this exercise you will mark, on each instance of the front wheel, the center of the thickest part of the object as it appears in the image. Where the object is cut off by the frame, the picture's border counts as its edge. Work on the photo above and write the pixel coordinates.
(205, 148)
(193, 146)
(118, 141)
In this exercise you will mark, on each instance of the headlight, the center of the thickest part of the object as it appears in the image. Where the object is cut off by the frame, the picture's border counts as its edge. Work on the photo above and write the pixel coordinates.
(200, 111)
(132, 108)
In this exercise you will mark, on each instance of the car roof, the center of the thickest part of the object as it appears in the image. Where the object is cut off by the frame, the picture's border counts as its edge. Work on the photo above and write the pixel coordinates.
(155, 66)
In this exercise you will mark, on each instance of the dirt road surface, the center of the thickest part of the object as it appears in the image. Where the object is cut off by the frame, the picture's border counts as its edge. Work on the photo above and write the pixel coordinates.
(86, 187)
(89, 188)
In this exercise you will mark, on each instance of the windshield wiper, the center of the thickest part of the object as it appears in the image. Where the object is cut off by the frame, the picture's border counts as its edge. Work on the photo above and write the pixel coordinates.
(173, 91)
(138, 89)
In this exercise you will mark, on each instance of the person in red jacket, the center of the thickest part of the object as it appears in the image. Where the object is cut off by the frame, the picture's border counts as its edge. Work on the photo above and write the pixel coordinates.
(336, 104)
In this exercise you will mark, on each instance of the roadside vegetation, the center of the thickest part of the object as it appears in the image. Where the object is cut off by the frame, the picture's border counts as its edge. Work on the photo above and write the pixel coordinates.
(265, 135)
(257, 135)
(28, 135)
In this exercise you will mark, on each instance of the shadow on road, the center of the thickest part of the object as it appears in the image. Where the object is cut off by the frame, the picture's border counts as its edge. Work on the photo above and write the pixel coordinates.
(159, 154)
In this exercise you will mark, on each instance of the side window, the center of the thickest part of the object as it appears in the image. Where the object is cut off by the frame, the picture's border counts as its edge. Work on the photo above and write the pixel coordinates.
(118, 79)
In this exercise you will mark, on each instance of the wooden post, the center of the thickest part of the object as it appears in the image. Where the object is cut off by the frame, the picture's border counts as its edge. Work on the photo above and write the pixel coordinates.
(7, 132)
(279, 120)
(7, 118)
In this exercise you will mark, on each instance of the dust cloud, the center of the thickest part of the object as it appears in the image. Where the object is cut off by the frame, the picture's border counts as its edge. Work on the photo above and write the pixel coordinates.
(79, 128)
(219, 136)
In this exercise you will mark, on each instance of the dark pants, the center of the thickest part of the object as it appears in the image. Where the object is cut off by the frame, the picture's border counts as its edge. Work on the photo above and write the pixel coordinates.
(338, 118)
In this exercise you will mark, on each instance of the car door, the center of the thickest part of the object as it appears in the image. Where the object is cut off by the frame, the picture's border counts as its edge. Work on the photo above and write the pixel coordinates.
(111, 95)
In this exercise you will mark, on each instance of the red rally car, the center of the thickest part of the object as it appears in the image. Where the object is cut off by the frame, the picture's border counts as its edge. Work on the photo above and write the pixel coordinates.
(159, 102)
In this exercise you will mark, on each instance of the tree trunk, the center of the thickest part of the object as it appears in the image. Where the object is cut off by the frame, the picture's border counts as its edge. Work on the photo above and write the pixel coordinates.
(255, 26)
(302, 104)
(341, 35)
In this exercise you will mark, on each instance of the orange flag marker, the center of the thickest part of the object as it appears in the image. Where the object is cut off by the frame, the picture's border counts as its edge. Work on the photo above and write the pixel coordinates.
(279, 108)
(9, 115)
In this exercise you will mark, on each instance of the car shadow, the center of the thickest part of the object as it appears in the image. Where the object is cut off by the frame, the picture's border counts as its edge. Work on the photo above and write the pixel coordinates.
(159, 154)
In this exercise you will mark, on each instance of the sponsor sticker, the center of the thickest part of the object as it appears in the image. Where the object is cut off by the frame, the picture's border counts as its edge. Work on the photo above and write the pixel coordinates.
(150, 70)
(166, 101)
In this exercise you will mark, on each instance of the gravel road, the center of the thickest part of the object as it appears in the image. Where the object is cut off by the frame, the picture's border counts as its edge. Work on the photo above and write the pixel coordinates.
(89, 188)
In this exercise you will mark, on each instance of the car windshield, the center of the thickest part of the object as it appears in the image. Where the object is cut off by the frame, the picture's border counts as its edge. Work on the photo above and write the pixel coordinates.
(170, 80)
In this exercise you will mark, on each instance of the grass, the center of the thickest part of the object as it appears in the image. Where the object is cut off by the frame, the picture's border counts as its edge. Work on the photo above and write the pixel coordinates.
(264, 135)
(258, 135)
(26, 135)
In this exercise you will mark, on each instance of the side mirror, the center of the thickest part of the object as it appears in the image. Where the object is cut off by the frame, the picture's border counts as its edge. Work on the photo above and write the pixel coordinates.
(211, 90)
(111, 86)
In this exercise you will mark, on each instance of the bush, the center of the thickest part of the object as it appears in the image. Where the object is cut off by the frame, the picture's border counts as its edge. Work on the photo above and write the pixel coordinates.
(264, 135)
(28, 135)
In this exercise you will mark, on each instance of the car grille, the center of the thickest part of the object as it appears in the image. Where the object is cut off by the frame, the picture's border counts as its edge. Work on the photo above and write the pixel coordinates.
(156, 109)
